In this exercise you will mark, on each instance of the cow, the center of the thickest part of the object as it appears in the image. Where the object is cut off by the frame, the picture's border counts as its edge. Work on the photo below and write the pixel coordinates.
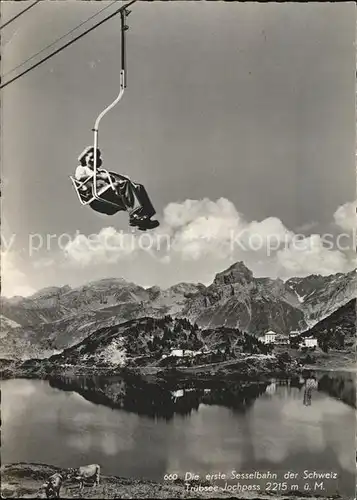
(53, 485)
(86, 473)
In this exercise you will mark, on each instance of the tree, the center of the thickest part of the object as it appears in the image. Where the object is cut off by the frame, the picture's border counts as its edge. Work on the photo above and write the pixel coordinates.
(284, 357)
(167, 334)
(294, 342)
(227, 351)
(340, 339)
(197, 344)
(177, 327)
(325, 346)
(156, 343)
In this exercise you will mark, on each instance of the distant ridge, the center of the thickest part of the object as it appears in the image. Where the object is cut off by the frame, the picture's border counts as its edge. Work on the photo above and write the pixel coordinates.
(55, 318)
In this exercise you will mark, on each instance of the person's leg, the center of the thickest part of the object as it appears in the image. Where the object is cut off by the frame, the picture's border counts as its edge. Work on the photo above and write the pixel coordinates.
(136, 200)
(147, 207)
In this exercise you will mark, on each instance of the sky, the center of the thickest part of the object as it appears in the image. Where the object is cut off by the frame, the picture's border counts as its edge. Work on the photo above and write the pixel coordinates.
(239, 119)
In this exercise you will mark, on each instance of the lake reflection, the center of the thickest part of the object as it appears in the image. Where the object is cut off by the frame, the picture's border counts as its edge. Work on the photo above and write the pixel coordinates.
(137, 429)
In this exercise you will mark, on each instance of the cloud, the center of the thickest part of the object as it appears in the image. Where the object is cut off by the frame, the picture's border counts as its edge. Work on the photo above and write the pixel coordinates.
(201, 228)
(307, 227)
(310, 256)
(13, 280)
(43, 263)
(345, 216)
(213, 234)
(108, 246)
(180, 215)
(192, 230)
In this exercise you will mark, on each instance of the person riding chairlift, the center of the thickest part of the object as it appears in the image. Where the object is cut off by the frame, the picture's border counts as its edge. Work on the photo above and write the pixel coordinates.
(131, 195)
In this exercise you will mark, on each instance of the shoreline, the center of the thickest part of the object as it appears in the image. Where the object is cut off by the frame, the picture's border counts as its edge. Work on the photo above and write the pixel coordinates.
(282, 362)
(243, 369)
(249, 368)
(246, 368)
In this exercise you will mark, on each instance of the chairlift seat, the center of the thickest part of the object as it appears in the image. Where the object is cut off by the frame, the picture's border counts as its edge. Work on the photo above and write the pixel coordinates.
(106, 202)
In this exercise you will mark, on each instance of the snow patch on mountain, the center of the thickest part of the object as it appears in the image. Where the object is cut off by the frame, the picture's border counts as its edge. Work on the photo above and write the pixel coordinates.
(301, 298)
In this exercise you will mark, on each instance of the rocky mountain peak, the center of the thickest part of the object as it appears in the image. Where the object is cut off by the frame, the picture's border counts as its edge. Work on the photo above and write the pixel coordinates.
(237, 273)
(50, 291)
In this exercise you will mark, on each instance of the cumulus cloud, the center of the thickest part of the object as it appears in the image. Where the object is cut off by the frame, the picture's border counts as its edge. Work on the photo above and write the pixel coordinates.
(345, 216)
(192, 230)
(310, 256)
(13, 280)
(215, 234)
(108, 246)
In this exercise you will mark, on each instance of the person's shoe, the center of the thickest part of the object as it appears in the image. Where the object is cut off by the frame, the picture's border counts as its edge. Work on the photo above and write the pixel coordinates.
(134, 221)
(145, 224)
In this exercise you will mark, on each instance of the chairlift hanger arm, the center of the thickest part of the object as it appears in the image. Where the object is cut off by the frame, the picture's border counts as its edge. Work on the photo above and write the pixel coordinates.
(123, 15)
(124, 12)
(127, 5)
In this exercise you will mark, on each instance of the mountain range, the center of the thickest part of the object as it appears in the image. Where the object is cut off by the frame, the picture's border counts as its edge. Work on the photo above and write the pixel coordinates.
(57, 318)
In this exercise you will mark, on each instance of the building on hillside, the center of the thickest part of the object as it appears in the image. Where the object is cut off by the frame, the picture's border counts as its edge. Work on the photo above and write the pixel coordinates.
(188, 352)
(268, 337)
(309, 342)
(294, 339)
(281, 339)
(177, 353)
(180, 353)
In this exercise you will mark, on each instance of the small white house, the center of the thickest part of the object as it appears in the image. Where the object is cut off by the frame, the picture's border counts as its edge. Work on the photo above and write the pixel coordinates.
(177, 352)
(268, 338)
(309, 342)
(182, 353)
(191, 354)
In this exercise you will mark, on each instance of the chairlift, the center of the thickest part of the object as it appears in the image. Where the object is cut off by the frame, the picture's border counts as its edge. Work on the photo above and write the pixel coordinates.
(105, 200)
